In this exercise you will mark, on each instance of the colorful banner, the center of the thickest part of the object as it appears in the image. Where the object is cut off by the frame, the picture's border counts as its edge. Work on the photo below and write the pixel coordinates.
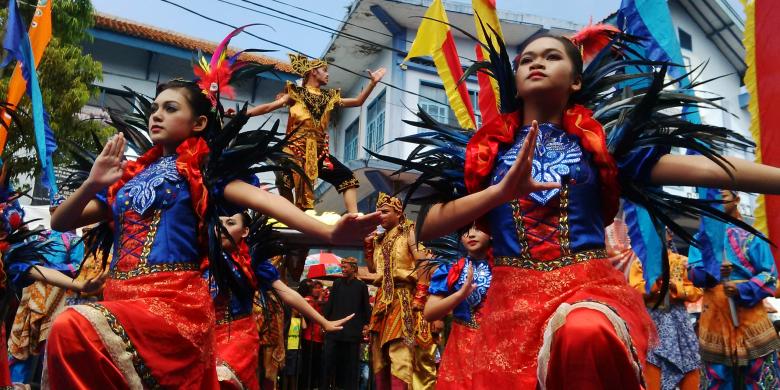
(20, 48)
(763, 85)
(486, 20)
(40, 35)
(434, 39)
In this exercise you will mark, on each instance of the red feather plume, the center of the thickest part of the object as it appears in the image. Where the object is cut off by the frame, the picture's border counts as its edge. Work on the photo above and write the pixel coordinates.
(593, 38)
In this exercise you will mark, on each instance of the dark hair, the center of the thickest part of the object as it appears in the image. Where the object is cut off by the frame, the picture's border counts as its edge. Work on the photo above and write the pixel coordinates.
(246, 220)
(199, 103)
(572, 51)
(305, 287)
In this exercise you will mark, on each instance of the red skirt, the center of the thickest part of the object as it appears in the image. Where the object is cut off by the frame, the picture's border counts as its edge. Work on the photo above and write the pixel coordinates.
(503, 351)
(151, 331)
(238, 346)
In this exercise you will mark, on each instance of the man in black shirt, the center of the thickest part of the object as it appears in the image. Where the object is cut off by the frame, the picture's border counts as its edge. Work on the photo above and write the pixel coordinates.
(342, 349)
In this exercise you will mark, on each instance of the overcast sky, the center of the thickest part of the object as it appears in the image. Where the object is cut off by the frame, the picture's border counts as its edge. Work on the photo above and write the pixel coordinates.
(305, 40)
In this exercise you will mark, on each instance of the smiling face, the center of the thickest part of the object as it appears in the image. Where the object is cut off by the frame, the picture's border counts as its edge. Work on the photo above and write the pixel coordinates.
(172, 119)
(545, 71)
(236, 228)
(476, 242)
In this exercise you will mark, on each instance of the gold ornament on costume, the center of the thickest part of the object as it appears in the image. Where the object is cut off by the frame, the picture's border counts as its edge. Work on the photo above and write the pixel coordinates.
(387, 200)
(302, 64)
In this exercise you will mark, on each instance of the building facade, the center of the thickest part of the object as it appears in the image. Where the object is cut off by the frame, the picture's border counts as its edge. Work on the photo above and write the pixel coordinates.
(709, 31)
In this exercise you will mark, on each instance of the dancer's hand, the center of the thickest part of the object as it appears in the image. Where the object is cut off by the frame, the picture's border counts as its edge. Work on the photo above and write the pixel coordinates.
(468, 286)
(110, 164)
(95, 284)
(730, 289)
(376, 75)
(353, 228)
(518, 181)
(333, 326)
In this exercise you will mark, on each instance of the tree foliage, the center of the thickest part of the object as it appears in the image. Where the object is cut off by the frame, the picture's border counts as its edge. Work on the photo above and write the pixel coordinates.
(66, 77)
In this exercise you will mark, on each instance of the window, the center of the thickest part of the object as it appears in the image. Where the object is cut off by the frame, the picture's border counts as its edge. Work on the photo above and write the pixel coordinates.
(686, 42)
(434, 106)
(112, 99)
(351, 141)
(375, 123)
(687, 63)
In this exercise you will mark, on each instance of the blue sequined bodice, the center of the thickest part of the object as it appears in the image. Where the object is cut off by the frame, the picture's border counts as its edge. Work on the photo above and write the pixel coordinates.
(482, 277)
(156, 222)
(141, 192)
(553, 222)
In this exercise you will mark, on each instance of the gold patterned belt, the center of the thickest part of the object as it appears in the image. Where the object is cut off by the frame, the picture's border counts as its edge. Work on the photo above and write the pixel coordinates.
(550, 265)
(146, 269)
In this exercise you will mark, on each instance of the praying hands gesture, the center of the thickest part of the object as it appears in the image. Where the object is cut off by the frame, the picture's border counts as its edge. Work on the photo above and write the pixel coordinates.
(518, 181)
(443, 219)
(468, 286)
(109, 164)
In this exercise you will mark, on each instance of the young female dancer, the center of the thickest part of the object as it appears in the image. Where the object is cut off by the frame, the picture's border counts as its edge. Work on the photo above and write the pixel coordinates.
(236, 330)
(558, 315)
(155, 327)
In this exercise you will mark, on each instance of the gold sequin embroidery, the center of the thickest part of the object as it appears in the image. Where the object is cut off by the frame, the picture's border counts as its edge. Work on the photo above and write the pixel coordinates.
(551, 265)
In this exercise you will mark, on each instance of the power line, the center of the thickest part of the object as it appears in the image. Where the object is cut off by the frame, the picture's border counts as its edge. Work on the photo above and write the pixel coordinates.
(334, 19)
(338, 32)
(316, 26)
(292, 49)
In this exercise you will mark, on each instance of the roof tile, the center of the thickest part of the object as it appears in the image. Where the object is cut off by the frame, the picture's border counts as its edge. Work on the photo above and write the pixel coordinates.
(139, 30)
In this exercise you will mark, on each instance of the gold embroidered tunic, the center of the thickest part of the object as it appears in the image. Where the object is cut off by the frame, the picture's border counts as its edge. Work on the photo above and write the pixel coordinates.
(392, 321)
(309, 117)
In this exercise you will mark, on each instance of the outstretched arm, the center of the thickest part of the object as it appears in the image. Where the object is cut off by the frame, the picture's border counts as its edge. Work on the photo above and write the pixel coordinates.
(699, 171)
(57, 278)
(297, 302)
(281, 101)
(361, 98)
(81, 208)
(444, 218)
(351, 228)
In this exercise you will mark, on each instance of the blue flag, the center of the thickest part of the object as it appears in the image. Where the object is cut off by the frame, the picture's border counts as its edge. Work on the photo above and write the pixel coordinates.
(651, 21)
(17, 43)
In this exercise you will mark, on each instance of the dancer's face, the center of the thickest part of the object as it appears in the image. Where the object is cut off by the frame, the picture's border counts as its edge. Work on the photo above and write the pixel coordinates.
(475, 241)
(388, 217)
(236, 229)
(348, 269)
(731, 202)
(172, 118)
(546, 71)
(316, 290)
(320, 75)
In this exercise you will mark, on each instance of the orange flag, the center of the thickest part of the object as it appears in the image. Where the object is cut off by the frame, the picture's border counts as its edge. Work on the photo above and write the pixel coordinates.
(40, 35)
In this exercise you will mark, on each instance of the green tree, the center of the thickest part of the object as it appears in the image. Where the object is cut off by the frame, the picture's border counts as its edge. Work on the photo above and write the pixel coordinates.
(66, 77)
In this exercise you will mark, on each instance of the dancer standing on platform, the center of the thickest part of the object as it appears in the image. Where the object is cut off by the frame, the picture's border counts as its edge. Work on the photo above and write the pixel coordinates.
(541, 179)
(155, 327)
(310, 109)
(739, 344)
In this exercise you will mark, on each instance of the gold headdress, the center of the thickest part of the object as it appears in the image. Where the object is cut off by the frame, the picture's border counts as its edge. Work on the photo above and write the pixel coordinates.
(387, 200)
(302, 64)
